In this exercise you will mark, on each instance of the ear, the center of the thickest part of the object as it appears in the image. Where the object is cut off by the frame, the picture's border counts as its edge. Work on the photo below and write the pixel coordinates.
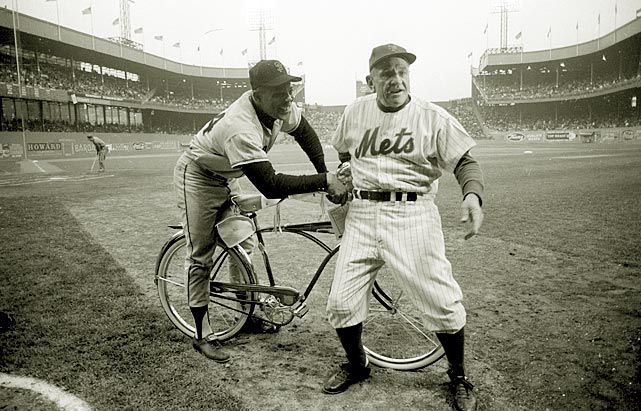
(370, 82)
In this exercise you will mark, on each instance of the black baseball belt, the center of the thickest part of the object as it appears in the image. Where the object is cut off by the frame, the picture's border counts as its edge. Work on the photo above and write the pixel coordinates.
(385, 195)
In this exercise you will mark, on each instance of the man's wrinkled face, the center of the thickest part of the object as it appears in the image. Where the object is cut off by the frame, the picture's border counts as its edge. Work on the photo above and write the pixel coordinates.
(390, 79)
(276, 101)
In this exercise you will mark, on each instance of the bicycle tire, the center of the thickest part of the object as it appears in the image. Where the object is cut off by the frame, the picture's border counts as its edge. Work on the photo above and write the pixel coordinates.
(393, 334)
(227, 317)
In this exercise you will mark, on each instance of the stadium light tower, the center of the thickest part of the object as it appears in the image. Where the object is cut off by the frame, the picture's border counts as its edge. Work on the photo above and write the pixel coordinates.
(504, 9)
(261, 22)
(125, 21)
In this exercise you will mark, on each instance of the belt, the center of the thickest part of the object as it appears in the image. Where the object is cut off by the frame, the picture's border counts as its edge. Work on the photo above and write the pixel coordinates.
(385, 195)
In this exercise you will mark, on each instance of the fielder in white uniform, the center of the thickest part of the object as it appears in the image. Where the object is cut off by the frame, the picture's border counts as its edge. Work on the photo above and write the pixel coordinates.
(398, 146)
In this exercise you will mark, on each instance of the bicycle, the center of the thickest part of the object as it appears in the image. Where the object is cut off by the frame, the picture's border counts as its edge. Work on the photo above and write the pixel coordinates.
(394, 336)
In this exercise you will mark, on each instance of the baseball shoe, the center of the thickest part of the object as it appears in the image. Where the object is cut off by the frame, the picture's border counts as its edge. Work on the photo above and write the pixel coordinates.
(462, 390)
(210, 349)
(347, 375)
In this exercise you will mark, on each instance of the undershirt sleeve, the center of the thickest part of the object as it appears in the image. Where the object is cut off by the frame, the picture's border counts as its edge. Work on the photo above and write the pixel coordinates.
(308, 140)
(469, 176)
(276, 185)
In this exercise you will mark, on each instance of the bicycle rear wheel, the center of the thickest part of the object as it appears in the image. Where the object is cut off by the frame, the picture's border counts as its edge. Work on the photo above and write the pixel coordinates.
(393, 333)
(226, 313)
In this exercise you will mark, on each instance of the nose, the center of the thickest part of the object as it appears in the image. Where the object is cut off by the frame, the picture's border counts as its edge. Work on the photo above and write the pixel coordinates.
(289, 97)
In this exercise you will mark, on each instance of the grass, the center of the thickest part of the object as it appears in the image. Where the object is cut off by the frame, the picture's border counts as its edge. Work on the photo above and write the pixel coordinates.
(82, 324)
(551, 289)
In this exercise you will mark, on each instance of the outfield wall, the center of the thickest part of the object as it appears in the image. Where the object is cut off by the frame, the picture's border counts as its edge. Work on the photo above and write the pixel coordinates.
(594, 135)
(43, 145)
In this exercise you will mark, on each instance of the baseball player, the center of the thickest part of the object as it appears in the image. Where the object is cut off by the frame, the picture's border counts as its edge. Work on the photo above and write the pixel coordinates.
(101, 151)
(398, 147)
(233, 144)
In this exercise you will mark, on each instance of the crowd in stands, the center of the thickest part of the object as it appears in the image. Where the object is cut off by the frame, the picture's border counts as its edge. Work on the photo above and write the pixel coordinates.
(493, 89)
(506, 120)
(464, 113)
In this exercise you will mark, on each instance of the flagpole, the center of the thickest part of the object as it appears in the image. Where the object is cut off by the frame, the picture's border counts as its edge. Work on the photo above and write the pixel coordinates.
(58, 19)
(15, 20)
(93, 40)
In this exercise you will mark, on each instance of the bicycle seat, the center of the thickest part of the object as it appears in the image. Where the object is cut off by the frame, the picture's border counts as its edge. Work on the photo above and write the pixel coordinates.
(253, 202)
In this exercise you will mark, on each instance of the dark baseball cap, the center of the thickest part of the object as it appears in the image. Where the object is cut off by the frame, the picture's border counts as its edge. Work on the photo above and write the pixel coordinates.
(389, 50)
(269, 73)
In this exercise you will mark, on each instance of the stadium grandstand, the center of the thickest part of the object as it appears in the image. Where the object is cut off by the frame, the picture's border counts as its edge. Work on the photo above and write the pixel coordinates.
(58, 84)
(588, 89)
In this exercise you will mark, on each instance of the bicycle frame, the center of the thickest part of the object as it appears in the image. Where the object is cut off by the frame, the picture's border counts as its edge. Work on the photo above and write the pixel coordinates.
(286, 295)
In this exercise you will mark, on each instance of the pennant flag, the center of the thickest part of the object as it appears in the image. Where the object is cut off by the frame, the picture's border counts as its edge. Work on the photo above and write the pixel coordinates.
(518, 35)
(549, 31)
(138, 30)
(158, 38)
(243, 52)
(485, 29)
(577, 25)
(115, 22)
(469, 55)
(221, 52)
(86, 11)
(177, 44)
(272, 41)
(598, 19)
(615, 8)
(300, 63)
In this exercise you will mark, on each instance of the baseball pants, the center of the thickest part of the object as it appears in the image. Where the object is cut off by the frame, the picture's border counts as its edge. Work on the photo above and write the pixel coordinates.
(201, 195)
(408, 237)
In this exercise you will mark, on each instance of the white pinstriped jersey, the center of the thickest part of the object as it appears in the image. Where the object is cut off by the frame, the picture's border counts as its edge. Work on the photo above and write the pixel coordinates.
(400, 151)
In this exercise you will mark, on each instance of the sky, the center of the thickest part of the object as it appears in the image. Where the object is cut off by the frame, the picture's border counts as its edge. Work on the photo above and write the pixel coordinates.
(329, 41)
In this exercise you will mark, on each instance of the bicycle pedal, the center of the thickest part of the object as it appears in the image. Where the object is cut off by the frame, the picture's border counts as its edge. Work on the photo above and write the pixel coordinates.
(300, 310)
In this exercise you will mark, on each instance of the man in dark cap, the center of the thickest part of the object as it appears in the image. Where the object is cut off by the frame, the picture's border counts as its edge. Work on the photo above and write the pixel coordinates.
(398, 146)
(232, 144)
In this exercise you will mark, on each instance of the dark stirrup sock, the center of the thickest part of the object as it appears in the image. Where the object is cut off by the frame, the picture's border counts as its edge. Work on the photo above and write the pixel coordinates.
(199, 313)
(454, 347)
(350, 338)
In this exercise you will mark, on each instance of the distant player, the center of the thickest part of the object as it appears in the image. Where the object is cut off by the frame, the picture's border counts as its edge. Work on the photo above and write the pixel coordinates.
(101, 151)
(233, 144)
(398, 146)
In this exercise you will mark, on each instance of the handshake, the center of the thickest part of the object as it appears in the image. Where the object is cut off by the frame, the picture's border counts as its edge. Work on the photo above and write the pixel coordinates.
(339, 185)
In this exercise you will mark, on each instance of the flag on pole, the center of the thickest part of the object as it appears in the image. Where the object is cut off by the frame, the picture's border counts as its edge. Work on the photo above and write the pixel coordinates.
(115, 22)
(86, 11)
(598, 19)
(272, 41)
(244, 52)
(177, 44)
(615, 8)
(549, 32)
(221, 52)
(485, 29)
(300, 63)
(138, 30)
(577, 25)
(518, 35)
(469, 55)
(159, 38)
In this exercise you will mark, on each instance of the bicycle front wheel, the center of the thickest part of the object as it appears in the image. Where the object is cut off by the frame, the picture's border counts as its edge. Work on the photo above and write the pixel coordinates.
(227, 310)
(393, 333)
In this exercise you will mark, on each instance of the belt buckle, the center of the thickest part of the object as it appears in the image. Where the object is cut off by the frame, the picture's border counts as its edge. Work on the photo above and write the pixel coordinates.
(357, 194)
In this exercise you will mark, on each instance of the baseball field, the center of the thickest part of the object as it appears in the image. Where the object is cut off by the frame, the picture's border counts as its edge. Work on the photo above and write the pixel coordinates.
(552, 289)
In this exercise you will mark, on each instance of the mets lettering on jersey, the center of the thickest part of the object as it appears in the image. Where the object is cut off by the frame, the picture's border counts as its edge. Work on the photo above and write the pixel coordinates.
(406, 150)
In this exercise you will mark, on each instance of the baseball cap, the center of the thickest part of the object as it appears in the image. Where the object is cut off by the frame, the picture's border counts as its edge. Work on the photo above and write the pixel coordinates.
(269, 73)
(389, 50)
